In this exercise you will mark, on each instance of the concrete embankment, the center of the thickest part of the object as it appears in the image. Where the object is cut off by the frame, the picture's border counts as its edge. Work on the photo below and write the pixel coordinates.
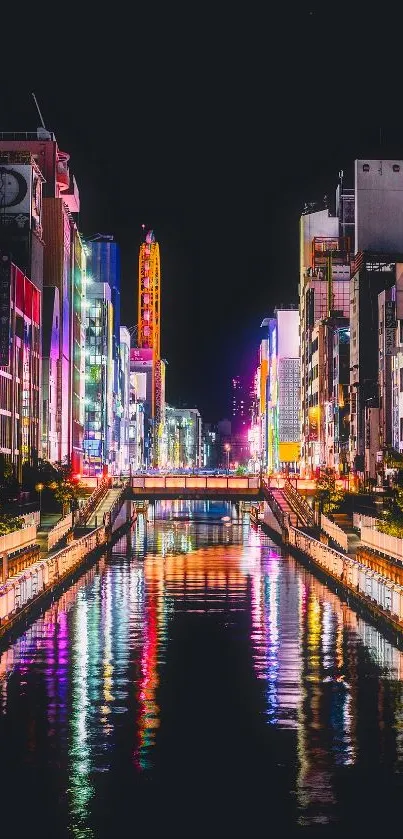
(345, 578)
(24, 596)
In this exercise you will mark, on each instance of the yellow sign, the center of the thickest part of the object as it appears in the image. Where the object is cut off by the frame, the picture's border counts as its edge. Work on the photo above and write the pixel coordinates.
(288, 452)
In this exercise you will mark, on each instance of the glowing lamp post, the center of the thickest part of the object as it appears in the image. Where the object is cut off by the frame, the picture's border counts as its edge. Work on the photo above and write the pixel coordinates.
(39, 488)
(227, 448)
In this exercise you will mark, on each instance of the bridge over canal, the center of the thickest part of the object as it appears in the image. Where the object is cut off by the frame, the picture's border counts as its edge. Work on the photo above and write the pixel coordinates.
(230, 487)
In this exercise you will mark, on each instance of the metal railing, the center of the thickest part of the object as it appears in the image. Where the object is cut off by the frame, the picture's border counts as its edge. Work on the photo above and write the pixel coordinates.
(334, 531)
(60, 530)
(111, 514)
(281, 515)
(92, 502)
(194, 482)
(299, 504)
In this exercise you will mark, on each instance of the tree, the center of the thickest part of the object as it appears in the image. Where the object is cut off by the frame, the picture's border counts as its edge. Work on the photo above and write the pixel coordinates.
(329, 497)
(66, 493)
(9, 523)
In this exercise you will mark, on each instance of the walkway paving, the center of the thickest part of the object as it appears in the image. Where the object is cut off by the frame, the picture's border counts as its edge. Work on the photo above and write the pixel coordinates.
(284, 505)
(97, 517)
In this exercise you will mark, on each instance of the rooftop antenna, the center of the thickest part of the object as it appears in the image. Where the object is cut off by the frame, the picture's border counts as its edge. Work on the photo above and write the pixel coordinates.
(39, 112)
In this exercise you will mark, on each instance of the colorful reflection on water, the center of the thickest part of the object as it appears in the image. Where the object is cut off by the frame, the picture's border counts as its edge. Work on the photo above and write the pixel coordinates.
(199, 657)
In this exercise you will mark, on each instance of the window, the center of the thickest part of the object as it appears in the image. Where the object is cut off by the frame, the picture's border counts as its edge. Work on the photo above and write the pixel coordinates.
(401, 379)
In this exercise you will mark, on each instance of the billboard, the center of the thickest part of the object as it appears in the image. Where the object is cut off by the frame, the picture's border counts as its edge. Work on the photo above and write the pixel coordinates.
(15, 189)
(390, 326)
(5, 294)
(141, 355)
(313, 419)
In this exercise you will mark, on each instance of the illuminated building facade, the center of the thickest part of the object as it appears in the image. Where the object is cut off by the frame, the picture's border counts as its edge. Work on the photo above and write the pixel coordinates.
(183, 438)
(50, 368)
(21, 247)
(140, 407)
(98, 380)
(241, 413)
(44, 248)
(336, 376)
(282, 392)
(124, 390)
(149, 339)
(20, 326)
(324, 290)
(103, 266)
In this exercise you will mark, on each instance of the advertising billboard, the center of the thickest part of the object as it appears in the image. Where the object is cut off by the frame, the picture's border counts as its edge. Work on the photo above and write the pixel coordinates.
(141, 355)
(15, 188)
(313, 419)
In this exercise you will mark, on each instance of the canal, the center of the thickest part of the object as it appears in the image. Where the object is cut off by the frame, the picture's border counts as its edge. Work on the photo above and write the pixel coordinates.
(199, 681)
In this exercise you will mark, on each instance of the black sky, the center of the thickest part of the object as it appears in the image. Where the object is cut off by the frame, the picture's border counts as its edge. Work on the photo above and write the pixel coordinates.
(213, 127)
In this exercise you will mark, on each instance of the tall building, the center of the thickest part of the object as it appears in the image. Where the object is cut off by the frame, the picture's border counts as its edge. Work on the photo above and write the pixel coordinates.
(149, 304)
(372, 274)
(21, 248)
(20, 321)
(124, 389)
(183, 431)
(375, 276)
(50, 373)
(323, 292)
(281, 419)
(103, 266)
(99, 457)
(43, 241)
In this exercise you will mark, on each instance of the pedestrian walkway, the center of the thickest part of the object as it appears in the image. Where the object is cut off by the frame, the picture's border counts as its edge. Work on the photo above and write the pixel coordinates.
(285, 506)
(345, 522)
(48, 521)
(97, 517)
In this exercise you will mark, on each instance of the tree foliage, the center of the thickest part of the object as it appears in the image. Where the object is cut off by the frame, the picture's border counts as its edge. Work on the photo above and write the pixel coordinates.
(10, 523)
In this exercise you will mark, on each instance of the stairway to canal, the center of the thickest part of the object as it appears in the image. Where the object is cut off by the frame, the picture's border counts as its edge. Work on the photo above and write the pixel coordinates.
(97, 517)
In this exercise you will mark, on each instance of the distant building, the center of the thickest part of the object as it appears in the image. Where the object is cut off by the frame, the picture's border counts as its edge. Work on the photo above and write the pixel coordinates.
(183, 438)
(281, 419)
(103, 267)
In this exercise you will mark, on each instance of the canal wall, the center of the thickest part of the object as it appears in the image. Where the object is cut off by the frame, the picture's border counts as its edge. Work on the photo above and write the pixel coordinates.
(377, 597)
(25, 595)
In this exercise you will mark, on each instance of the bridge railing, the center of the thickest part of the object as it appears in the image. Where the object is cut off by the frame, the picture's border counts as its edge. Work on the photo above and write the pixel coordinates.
(194, 482)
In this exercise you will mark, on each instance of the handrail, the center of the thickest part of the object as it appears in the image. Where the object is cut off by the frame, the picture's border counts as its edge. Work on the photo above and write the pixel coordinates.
(281, 516)
(302, 507)
(111, 515)
(88, 508)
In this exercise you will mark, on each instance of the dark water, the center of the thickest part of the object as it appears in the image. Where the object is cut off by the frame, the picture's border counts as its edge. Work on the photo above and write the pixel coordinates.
(199, 682)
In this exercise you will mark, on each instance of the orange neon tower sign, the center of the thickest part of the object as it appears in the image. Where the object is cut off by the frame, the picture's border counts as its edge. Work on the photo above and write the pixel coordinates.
(149, 323)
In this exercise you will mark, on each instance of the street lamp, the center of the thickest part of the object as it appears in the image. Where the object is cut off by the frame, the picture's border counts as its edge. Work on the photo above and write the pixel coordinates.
(39, 488)
(227, 448)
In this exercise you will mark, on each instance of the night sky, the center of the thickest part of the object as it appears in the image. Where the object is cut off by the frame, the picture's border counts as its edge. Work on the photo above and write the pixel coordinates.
(213, 127)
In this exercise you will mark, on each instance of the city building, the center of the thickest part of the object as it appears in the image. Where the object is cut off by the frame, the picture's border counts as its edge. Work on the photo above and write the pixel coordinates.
(43, 240)
(20, 325)
(148, 338)
(281, 419)
(103, 266)
(325, 255)
(99, 457)
(124, 391)
(183, 431)
(375, 274)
